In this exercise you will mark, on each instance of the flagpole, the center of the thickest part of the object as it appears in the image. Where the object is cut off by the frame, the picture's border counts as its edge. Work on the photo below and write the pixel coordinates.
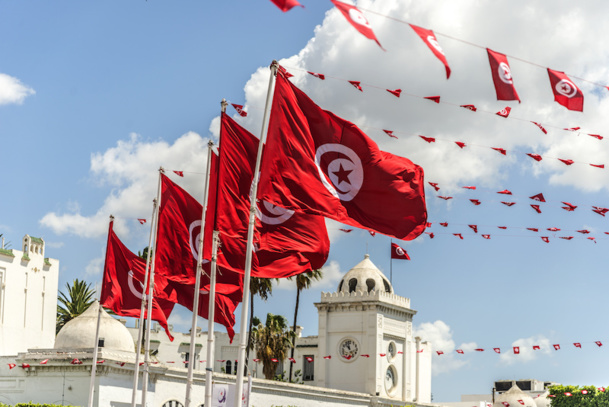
(391, 262)
(250, 240)
(209, 369)
(140, 332)
(195, 304)
(150, 298)
(96, 346)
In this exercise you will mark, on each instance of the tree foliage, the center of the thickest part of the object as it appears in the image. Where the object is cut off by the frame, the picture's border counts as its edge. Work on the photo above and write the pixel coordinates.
(78, 298)
(593, 398)
(271, 341)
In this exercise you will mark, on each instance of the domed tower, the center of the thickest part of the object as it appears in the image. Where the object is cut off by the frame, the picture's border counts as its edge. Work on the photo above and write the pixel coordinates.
(367, 330)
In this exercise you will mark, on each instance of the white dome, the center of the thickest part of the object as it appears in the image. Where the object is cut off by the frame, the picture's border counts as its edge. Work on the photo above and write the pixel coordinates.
(542, 400)
(364, 277)
(513, 396)
(79, 333)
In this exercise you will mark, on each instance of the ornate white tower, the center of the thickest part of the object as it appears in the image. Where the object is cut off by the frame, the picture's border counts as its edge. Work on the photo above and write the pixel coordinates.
(367, 330)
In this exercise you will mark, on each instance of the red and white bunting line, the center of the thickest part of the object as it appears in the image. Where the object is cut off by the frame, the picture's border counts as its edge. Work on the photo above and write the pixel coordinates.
(517, 350)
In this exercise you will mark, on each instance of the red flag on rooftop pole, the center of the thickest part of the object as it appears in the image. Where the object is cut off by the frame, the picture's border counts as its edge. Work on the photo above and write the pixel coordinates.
(357, 20)
(502, 76)
(320, 164)
(287, 242)
(430, 39)
(398, 253)
(565, 91)
(122, 284)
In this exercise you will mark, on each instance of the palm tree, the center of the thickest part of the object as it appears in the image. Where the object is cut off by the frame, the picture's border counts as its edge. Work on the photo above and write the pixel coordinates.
(271, 341)
(263, 287)
(303, 282)
(79, 298)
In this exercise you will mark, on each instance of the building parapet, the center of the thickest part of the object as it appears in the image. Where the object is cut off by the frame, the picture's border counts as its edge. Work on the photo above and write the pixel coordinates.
(366, 296)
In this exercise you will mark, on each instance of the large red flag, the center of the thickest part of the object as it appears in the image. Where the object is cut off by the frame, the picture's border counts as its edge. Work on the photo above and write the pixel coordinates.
(287, 243)
(357, 20)
(565, 91)
(430, 39)
(318, 163)
(122, 284)
(502, 76)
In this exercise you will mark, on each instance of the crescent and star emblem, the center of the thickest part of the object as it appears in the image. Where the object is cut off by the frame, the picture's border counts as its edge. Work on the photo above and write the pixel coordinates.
(132, 288)
(399, 251)
(566, 88)
(343, 176)
(269, 213)
(194, 232)
(357, 17)
(505, 74)
(434, 43)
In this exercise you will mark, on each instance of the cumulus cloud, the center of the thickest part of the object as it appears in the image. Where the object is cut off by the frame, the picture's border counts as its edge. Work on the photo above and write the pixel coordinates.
(441, 338)
(331, 277)
(130, 170)
(12, 91)
(339, 51)
(95, 267)
(527, 353)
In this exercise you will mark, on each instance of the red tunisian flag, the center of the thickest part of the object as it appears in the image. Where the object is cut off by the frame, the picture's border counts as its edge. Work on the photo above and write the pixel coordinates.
(122, 284)
(502, 76)
(286, 5)
(318, 163)
(398, 253)
(287, 242)
(565, 91)
(430, 39)
(357, 20)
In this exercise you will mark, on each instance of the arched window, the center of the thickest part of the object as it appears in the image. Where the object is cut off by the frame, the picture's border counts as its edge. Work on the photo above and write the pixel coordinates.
(387, 286)
(173, 403)
(352, 285)
(229, 367)
(340, 286)
(370, 284)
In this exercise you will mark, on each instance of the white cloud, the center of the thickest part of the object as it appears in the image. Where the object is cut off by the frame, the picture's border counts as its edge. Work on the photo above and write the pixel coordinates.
(12, 91)
(441, 338)
(525, 346)
(331, 277)
(95, 267)
(54, 245)
(131, 170)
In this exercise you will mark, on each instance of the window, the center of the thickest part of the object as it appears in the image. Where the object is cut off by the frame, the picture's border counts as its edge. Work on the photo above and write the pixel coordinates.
(186, 359)
(173, 403)
(229, 367)
(2, 274)
(387, 286)
(352, 285)
(370, 284)
(308, 369)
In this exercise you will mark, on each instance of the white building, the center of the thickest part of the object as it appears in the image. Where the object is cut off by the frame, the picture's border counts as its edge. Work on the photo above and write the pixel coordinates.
(28, 297)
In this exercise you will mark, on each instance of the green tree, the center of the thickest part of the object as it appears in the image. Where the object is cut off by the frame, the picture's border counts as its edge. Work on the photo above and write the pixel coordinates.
(78, 298)
(271, 341)
(586, 396)
(303, 282)
(262, 287)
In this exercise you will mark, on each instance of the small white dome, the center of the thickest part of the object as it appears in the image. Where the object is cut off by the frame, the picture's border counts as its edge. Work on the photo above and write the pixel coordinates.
(364, 277)
(513, 397)
(79, 333)
(543, 400)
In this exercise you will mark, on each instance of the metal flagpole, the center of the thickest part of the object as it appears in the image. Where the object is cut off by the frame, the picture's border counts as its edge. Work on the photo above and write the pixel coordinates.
(209, 369)
(391, 262)
(96, 346)
(150, 298)
(195, 304)
(140, 333)
(250, 239)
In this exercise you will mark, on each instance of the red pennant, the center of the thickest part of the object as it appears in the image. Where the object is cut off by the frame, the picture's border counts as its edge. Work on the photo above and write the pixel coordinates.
(505, 403)
(11, 366)
(460, 144)
(497, 350)
(446, 198)
(556, 347)
(533, 229)
(539, 197)
(502, 76)
(274, 360)
(508, 203)
(474, 228)
(567, 162)
(488, 237)
(428, 139)
(390, 133)
(596, 136)
(317, 75)
(505, 112)
(429, 38)
(356, 85)
(583, 231)
(521, 402)
(420, 350)
(365, 355)
(372, 233)
(584, 391)
(545, 239)
(458, 235)
(346, 230)
(601, 389)
(566, 237)
(445, 224)
(398, 253)
(577, 345)
(475, 202)
(479, 350)
(536, 347)
(540, 127)
(553, 229)
(395, 93)
(505, 192)
(328, 357)
(309, 359)
(435, 99)
(501, 150)
(76, 361)
(516, 350)
(142, 221)
(502, 227)
(598, 165)
(568, 394)
(179, 173)
(535, 157)
(99, 362)
(431, 235)
(439, 352)
(27, 365)
(572, 128)
(469, 107)
(469, 187)
(592, 238)
(239, 109)
(434, 185)
(599, 210)
(460, 351)
(44, 362)
(536, 207)
(357, 20)
(569, 207)
(286, 5)
(565, 91)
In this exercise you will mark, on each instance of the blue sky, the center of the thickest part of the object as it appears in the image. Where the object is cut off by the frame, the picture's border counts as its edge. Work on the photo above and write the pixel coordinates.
(94, 97)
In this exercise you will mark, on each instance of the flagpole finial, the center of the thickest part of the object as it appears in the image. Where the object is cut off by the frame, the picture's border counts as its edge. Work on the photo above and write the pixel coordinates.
(223, 105)
(162, 170)
(111, 218)
(210, 144)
